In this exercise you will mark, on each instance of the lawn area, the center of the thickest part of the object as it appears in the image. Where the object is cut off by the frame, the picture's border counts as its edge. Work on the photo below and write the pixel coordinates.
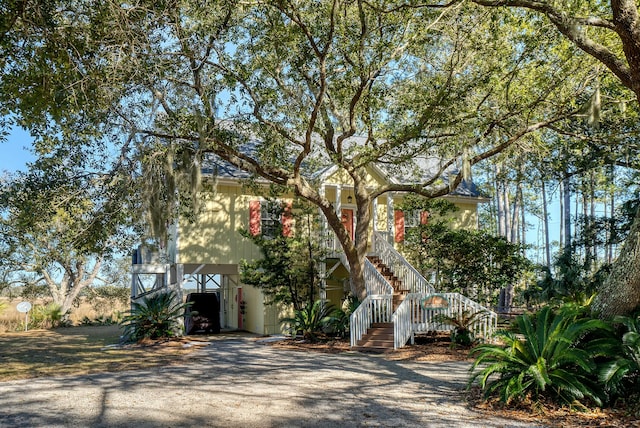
(79, 350)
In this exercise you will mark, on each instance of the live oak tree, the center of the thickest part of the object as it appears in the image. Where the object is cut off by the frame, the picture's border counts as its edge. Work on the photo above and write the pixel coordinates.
(281, 89)
(57, 228)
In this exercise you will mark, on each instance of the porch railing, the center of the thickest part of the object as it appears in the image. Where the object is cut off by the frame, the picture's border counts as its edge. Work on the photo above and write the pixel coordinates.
(400, 266)
(411, 317)
(374, 308)
(148, 278)
(374, 281)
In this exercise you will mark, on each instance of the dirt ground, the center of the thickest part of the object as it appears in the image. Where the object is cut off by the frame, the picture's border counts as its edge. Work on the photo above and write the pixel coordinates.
(439, 349)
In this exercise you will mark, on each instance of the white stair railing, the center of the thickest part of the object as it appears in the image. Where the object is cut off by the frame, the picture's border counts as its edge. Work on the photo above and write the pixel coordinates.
(375, 281)
(411, 317)
(374, 308)
(401, 268)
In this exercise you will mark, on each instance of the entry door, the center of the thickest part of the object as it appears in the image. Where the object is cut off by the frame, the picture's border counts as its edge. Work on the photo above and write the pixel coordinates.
(241, 308)
(347, 220)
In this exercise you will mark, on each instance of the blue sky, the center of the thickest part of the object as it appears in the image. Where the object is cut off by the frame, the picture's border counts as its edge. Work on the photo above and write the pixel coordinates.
(15, 151)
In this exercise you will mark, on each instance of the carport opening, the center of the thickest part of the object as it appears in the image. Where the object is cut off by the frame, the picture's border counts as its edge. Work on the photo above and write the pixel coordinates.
(203, 314)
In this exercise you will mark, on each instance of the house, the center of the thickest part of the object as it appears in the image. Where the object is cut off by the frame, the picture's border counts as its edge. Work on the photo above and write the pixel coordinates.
(207, 254)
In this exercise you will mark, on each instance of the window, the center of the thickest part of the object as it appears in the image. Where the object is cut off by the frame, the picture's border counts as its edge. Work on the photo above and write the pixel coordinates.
(270, 215)
(411, 220)
(407, 220)
(269, 218)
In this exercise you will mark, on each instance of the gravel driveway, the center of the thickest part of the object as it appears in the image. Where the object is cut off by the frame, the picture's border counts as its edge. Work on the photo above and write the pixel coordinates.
(244, 383)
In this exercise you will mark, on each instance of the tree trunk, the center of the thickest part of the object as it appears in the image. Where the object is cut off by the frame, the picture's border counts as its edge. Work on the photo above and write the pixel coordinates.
(545, 224)
(566, 191)
(561, 237)
(620, 293)
(612, 210)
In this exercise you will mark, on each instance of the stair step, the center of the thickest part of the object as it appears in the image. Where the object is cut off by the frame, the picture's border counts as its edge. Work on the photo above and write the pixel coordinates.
(379, 334)
(371, 349)
(388, 344)
(381, 324)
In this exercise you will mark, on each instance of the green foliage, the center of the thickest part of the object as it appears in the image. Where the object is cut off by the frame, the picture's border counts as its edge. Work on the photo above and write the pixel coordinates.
(287, 272)
(32, 291)
(311, 320)
(58, 222)
(621, 375)
(473, 263)
(548, 355)
(102, 320)
(154, 317)
(340, 319)
(462, 333)
(104, 298)
(570, 281)
(46, 316)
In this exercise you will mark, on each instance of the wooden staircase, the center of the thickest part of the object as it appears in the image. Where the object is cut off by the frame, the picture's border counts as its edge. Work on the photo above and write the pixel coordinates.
(399, 291)
(379, 337)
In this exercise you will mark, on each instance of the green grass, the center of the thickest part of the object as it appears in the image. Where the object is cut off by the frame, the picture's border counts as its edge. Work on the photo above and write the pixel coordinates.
(77, 350)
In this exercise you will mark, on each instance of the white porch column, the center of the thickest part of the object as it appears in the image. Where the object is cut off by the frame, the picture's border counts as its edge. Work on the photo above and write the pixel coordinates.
(336, 245)
(375, 214)
(390, 228)
(324, 230)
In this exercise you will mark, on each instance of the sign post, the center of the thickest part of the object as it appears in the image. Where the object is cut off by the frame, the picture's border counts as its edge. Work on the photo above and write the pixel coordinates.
(24, 307)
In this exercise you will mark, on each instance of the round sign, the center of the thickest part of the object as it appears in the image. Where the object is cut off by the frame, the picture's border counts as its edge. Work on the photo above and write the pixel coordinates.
(23, 307)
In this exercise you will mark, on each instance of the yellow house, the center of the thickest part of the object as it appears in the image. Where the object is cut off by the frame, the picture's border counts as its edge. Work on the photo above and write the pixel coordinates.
(206, 254)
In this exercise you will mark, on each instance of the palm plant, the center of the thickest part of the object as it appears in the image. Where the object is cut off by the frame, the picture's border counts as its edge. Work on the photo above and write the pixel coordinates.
(154, 317)
(621, 375)
(462, 323)
(47, 316)
(310, 320)
(550, 358)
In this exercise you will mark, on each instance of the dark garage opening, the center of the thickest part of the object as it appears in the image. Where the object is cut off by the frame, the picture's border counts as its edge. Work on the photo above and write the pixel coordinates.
(203, 315)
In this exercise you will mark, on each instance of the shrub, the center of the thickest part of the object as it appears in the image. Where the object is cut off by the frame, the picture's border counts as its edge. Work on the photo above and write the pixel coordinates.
(46, 316)
(310, 320)
(340, 319)
(551, 358)
(621, 375)
(101, 320)
(154, 317)
(462, 333)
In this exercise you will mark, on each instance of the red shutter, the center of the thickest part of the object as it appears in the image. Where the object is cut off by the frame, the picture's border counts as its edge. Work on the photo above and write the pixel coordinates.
(398, 219)
(287, 220)
(424, 217)
(254, 218)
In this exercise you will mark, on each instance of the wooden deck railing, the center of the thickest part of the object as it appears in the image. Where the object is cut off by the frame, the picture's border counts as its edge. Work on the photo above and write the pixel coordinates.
(411, 318)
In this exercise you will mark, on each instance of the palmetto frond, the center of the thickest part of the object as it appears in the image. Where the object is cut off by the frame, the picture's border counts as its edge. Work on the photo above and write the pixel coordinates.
(547, 357)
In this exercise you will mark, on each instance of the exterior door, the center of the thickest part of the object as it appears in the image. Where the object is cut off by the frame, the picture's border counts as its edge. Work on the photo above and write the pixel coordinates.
(347, 220)
(241, 309)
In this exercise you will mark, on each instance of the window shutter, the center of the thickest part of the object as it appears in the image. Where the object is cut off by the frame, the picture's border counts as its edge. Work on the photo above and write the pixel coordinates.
(398, 219)
(424, 217)
(287, 220)
(254, 218)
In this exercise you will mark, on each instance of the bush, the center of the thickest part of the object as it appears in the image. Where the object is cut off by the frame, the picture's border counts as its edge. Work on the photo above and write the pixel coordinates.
(46, 316)
(621, 375)
(154, 317)
(311, 319)
(551, 358)
(462, 333)
(101, 320)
